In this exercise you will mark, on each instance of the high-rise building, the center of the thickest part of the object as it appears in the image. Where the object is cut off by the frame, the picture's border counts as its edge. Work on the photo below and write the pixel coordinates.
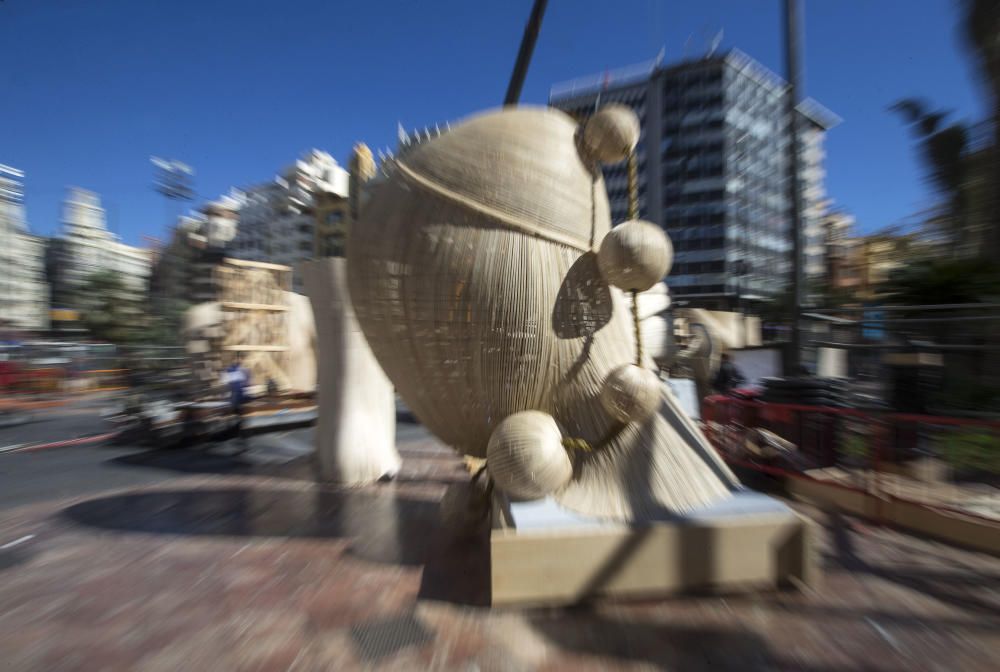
(277, 223)
(840, 273)
(712, 160)
(24, 294)
(183, 271)
(334, 211)
(83, 247)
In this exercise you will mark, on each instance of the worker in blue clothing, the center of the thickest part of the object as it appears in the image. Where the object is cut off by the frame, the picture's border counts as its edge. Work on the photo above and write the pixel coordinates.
(728, 377)
(237, 379)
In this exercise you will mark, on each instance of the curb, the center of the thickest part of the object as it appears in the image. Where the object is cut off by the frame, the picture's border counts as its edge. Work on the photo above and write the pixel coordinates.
(83, 440)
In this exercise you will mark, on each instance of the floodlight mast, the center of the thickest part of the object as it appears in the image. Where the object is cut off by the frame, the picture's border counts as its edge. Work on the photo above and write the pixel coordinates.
(525, 52)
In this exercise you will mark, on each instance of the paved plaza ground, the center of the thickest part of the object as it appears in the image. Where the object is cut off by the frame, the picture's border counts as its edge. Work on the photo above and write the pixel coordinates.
(255, 567)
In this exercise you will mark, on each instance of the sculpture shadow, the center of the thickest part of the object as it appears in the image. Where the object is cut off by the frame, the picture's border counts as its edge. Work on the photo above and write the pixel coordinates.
(11, 557)
(668, 646)
(960, 589)
(583, 304)
(406, 416)
(381, 526)
(184, 461)
(458, 569)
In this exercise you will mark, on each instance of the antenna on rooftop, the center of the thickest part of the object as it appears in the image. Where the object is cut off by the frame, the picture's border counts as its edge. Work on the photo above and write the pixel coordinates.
(713, 46)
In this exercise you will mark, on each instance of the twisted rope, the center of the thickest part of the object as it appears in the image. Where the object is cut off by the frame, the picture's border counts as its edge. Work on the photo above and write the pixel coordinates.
(570, 443)
(633, 213)
(633, 185)
(638, 331)
(582, 445)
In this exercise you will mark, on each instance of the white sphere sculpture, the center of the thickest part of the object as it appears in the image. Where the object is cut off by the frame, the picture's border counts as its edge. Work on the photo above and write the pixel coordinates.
(525, 456)
(631, 393)
(470, 336)
(635, 255)
(611, 134)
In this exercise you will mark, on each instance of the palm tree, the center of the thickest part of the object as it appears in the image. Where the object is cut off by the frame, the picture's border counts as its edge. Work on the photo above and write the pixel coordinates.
(945, 150)
(981, 30)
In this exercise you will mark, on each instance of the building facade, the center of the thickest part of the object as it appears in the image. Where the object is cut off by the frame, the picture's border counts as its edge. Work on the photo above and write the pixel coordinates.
(842, 278)
(85, 246)
(817, 215)
(868, 264)
(334, 210)
(332, 213)
(24, 292)
(713, 169)
(183, 270)
(277, 222)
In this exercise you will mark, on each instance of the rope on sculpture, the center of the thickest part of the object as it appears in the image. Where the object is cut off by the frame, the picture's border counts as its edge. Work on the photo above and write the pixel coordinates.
(571, 443)
(633, 185)
(582, 445)
(633, 213)
(638, 330)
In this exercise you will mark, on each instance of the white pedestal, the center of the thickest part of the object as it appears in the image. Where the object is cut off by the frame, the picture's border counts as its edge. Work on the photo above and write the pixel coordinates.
(552, 556)
(355, 435)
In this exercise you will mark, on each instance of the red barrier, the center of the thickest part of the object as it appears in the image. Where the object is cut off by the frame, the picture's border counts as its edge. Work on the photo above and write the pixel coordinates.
(879, 444)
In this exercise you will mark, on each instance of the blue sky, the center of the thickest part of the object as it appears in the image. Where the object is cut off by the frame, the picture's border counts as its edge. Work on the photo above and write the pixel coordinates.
(239, 88)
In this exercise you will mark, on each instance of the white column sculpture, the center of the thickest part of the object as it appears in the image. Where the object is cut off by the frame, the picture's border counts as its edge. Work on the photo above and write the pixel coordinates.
(355, 434)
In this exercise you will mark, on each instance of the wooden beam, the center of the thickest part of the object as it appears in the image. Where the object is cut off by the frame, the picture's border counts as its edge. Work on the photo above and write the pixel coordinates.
(235, 305)
(255, 348)
(256, 264)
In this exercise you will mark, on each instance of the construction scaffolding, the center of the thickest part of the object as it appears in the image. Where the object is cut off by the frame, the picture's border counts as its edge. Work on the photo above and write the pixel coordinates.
(252, 321)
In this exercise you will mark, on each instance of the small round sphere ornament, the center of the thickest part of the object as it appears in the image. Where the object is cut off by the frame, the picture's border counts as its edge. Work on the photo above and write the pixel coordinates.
(525, 456)
(611, 134)
(635, 255)
(631, 393)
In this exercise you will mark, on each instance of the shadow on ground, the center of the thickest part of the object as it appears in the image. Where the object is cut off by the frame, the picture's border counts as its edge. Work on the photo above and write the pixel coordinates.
(383, 526)
(667, 646)
(201, 461)
(12, 557)
(406, 416)
(962, 588)
(187, 461)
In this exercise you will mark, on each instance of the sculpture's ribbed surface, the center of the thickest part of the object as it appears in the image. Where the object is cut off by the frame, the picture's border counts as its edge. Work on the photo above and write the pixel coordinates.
(472, 276)
(513, 166)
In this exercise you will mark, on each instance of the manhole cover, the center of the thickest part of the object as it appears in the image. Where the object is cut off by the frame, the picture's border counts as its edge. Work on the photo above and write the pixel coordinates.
(377, 639)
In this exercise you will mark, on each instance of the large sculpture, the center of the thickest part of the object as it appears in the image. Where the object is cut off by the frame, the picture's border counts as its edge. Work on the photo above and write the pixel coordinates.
(490, 287)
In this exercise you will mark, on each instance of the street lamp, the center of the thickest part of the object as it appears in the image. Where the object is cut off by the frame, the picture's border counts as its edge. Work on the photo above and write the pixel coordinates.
(793, 73)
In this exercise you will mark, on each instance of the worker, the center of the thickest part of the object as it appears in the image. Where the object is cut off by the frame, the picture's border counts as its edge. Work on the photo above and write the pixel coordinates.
(237, 378)
(728, 377)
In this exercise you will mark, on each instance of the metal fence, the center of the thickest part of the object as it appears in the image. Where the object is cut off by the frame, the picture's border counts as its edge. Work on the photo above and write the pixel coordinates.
(946, 463)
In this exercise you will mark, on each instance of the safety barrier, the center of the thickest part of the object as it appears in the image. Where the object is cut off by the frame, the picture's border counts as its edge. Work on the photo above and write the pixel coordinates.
(939, 475)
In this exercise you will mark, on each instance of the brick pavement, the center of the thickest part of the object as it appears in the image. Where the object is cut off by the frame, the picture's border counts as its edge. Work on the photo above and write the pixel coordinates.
(268, 571)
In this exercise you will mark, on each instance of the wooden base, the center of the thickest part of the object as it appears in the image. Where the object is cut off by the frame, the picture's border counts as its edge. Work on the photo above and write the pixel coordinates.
(952, 527)
(557, 558)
